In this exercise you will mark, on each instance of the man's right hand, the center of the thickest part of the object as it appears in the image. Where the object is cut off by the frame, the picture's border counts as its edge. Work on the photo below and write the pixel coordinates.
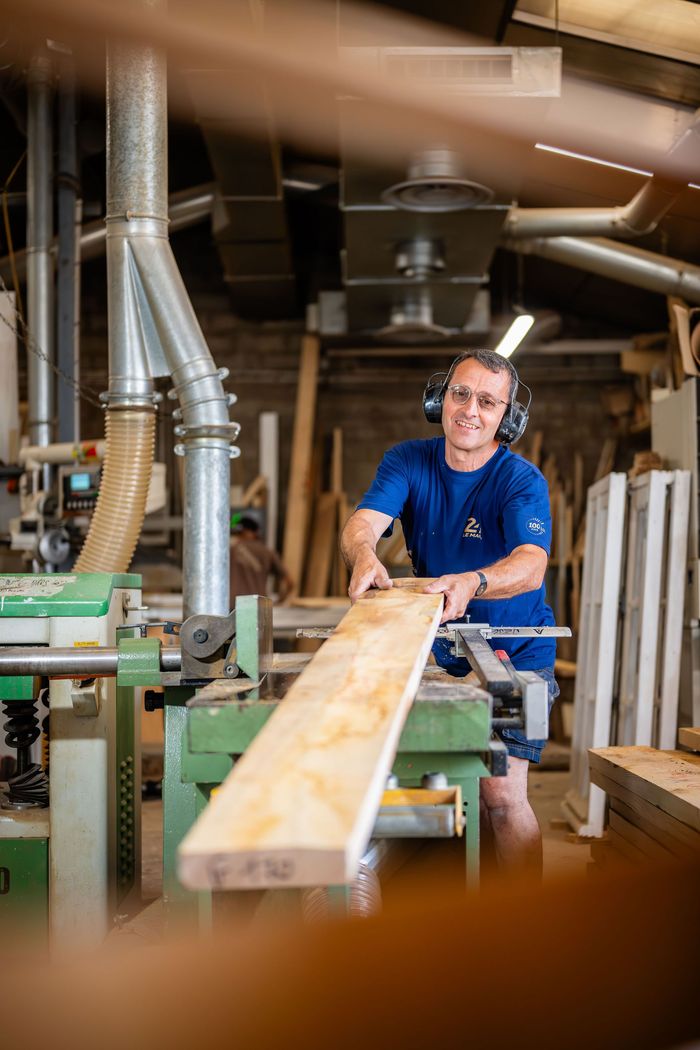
(368, 572)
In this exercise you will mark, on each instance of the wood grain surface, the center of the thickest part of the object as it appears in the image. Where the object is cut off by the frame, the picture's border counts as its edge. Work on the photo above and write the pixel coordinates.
(299, 806)
(667, 779)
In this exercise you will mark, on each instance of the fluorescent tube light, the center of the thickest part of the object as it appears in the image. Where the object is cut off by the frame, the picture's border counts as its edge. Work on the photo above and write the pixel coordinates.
(591, 160)
(515, 334)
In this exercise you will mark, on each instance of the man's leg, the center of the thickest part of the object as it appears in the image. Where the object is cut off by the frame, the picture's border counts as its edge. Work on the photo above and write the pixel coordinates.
(516, 832)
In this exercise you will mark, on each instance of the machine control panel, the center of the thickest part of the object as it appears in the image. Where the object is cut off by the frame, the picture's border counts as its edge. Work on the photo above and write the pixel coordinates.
(78, 488)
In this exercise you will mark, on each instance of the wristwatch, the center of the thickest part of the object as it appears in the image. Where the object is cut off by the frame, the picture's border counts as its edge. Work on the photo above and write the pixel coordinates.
(482, 585)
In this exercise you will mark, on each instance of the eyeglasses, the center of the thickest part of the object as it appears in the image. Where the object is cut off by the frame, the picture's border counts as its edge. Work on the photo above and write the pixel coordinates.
(462, 395)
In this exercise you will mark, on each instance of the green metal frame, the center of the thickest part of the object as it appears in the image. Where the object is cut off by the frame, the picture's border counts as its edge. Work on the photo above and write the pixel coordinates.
(73, 594)
(201, 744)
(24, 887)
(139, 662)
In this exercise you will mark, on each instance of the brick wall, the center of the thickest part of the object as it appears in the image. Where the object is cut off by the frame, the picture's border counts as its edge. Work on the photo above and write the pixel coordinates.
(377, 402)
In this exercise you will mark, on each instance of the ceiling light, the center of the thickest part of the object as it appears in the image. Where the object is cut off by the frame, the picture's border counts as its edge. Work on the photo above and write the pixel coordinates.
(515, 334)
(591, 160)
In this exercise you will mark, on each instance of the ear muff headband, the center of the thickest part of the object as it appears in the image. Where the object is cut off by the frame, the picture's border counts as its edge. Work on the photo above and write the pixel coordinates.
(515, 417)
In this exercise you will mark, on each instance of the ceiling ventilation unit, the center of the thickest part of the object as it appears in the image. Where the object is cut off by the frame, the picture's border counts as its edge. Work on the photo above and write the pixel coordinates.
(412, 321)
(436, 183)
(534, 72)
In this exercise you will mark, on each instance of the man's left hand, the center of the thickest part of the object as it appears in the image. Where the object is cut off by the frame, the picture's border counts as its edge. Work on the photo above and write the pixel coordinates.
(459, 589)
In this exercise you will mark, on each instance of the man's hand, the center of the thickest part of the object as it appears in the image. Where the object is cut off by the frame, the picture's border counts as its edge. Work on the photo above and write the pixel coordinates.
(368, 572)
(459, 589)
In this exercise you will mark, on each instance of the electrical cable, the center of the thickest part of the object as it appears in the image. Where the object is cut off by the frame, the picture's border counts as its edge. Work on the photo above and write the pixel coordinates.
(8, 234)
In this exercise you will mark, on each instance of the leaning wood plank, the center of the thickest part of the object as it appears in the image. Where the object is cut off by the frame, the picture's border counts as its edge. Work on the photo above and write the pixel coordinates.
(299, 489)
(323, 542)
(689, 738)
(668, 779)
(299, 807)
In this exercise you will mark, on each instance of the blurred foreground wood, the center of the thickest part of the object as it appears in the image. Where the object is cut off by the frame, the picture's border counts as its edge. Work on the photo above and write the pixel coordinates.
(610, 962)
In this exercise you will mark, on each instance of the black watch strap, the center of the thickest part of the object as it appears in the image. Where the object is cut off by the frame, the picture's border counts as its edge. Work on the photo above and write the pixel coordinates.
(482, 585)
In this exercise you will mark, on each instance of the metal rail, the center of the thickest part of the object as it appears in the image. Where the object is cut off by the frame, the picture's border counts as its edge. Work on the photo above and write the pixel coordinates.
(97, 662)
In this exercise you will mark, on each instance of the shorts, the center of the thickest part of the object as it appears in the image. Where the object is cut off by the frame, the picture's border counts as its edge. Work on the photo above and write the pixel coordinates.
(517, 744)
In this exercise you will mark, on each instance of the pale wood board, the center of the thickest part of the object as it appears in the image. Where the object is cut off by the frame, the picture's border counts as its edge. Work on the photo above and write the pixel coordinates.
(638, 838)
(268, 445)
(322, 546)
(299, 489)
(299, 807)
(667, 779)
(689, 738)
(626, 848)
(668, 688)
(655, 831)
(671, 832)
(584, 806)
(646, 532)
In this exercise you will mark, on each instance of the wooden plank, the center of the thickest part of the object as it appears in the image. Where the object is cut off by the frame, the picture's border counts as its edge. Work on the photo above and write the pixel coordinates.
(646, 532)
(595, 655)
(672, 614)
(299, 806)
(606, 460)
(671, 832)
(689, 738)
(668, 779)
(298, 491)
(636, 837)
(268, 460)
(656, 830)
(578, 488)
(627, 849)
(323, 541)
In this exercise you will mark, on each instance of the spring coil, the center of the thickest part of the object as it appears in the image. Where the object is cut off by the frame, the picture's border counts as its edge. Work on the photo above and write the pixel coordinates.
(45, 728)
(365, 897)
(22, 724)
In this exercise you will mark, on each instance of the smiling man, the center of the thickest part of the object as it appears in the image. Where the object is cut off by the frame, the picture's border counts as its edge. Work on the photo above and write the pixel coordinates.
(476, 517)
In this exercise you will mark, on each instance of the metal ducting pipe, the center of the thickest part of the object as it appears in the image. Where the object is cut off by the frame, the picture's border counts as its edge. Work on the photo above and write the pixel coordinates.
(621, 262)
(39, 263)
(185, 208)
(153, 330)
(639, 216)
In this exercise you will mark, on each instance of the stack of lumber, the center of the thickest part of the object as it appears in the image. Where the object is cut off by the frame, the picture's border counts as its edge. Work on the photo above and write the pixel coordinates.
(654, 804)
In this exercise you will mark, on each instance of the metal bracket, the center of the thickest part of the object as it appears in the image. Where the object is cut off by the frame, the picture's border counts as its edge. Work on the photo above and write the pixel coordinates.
(206, 643)
(86, 696)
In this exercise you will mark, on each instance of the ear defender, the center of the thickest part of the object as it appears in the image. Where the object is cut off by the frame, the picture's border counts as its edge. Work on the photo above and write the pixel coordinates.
(510, 429)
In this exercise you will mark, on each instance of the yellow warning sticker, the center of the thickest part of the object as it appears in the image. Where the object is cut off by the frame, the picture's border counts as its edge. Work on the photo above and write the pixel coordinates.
(83, 645)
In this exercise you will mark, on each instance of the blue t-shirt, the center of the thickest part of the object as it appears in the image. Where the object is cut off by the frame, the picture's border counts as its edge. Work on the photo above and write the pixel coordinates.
(461, 520)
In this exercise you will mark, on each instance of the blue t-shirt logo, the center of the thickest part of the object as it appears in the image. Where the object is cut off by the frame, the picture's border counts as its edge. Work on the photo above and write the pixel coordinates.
(472, 529)
(536, 526)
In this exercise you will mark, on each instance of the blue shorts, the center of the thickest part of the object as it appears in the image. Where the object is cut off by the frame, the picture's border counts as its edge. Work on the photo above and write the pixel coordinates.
(517, 744)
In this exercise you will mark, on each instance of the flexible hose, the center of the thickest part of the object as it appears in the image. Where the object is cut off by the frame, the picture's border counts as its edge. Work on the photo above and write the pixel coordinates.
(121, 503)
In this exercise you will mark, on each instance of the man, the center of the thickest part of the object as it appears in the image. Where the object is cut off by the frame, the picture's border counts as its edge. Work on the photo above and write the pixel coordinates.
(252, 563)
(477, 518)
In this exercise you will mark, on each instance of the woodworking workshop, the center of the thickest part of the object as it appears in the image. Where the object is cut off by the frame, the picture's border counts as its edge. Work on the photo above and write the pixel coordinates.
(350, 522)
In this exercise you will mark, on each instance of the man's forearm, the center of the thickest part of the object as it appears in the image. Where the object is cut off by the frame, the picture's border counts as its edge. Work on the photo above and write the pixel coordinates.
(521, 571)
(357, 536)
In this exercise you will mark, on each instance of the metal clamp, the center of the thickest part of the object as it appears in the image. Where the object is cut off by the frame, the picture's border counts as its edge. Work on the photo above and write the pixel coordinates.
(138, 662)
